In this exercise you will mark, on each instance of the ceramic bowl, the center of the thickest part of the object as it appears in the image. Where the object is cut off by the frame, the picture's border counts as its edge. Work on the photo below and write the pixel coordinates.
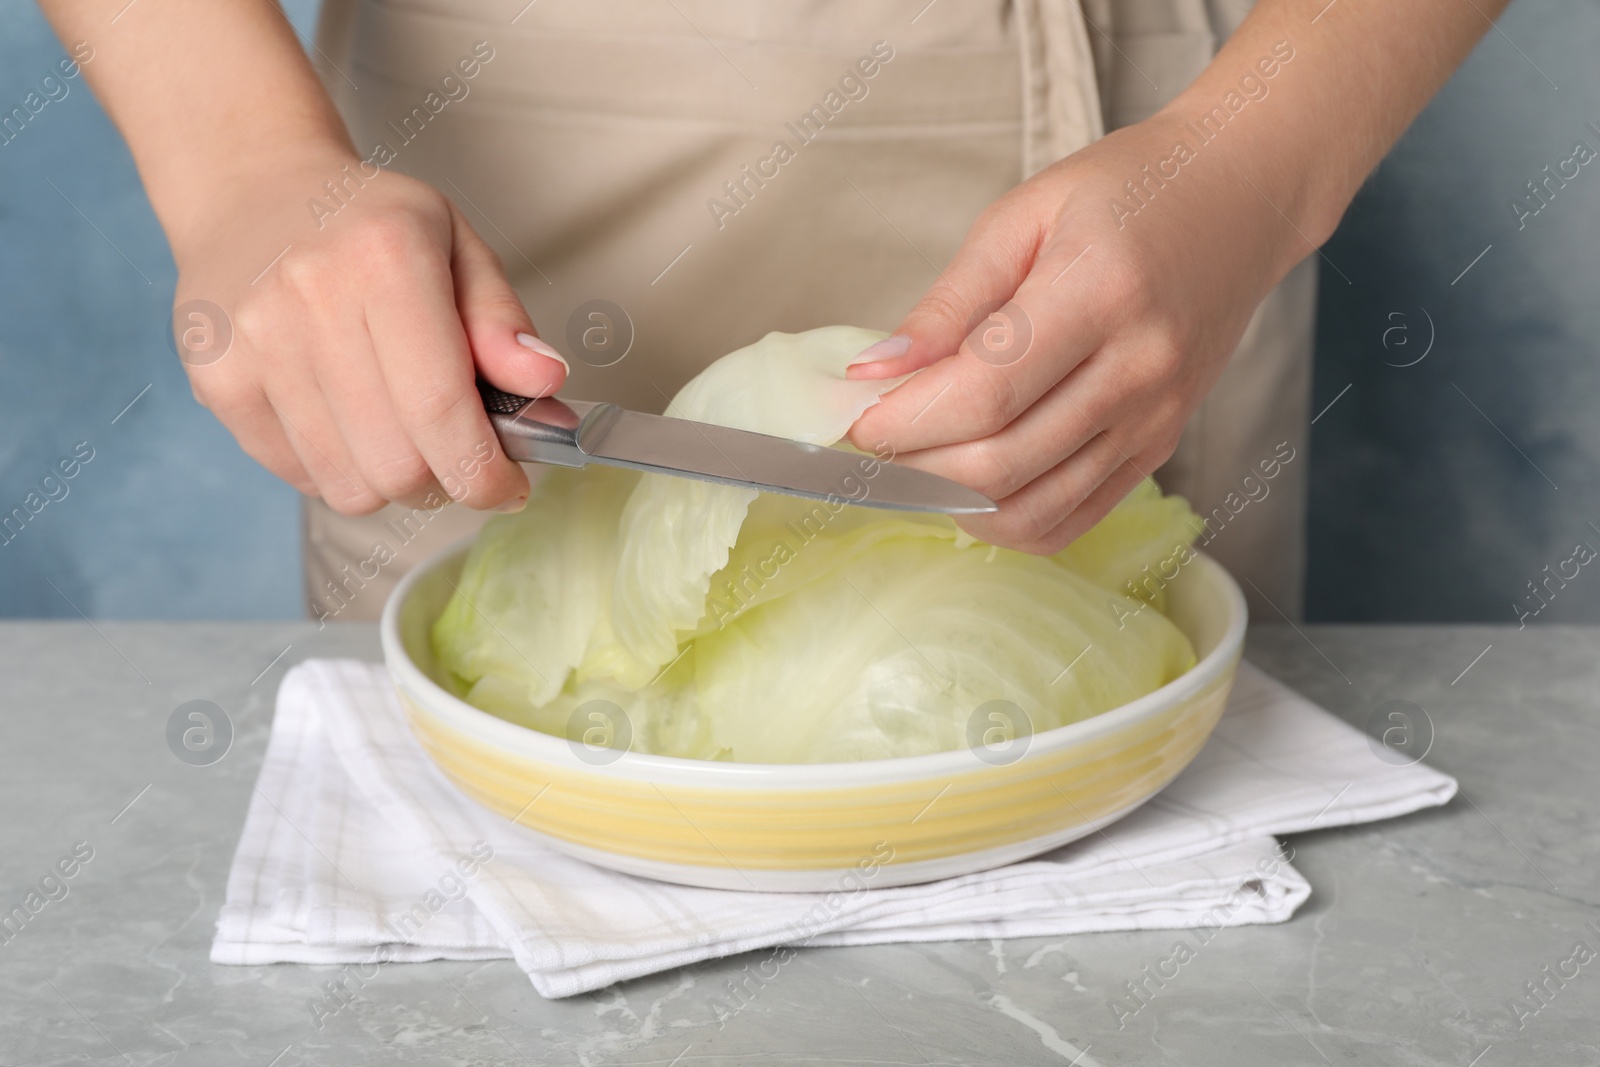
(807, 827)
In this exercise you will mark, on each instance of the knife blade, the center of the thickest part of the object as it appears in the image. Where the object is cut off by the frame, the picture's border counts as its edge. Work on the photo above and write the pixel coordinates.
(575, 433)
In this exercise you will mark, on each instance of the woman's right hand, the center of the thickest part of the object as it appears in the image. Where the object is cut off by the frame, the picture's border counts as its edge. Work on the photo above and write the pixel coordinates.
(356, 335)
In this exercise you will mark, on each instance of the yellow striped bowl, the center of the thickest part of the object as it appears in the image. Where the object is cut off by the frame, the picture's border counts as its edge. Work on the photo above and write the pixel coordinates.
(815, 827)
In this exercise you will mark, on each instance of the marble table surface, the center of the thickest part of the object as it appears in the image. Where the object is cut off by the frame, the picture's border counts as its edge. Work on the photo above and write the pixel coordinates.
(1467, 935)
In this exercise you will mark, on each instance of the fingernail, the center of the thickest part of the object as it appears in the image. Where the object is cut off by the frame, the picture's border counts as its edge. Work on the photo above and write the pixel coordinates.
(888, 348)
(511, 507)
(533, 344)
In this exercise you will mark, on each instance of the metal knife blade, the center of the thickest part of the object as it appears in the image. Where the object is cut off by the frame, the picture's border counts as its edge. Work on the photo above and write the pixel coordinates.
(574, 433)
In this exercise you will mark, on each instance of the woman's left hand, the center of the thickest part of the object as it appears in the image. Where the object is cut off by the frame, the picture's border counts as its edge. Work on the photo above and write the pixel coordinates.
(1068, 342)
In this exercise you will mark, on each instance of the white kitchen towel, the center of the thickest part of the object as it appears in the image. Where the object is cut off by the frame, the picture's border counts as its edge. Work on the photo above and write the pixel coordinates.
(356, 849)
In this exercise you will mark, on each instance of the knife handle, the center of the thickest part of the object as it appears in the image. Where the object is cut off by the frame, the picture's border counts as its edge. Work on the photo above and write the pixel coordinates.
(544, 429)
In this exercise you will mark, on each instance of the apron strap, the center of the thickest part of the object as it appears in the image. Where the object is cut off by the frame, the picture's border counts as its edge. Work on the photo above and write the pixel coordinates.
(331, 61)
(1089, 66)
(1060, 96)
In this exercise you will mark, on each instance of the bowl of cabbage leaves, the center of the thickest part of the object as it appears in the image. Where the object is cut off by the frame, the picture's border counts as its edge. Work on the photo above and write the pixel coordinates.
(706, 685)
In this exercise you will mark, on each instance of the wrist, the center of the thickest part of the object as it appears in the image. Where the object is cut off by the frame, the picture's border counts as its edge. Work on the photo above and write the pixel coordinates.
(270, 177)
(1269, 112)
(1259, 161)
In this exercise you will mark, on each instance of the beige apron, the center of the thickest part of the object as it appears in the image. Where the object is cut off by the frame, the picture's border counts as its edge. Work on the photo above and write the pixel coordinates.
(627, 152)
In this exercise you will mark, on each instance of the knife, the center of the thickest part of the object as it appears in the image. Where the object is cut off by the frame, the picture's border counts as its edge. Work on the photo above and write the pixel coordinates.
(574, 433)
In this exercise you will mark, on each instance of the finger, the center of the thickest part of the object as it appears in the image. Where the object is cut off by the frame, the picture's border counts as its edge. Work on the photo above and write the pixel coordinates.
(505, 347)
(1139, 384)
(242, 408)
(426, 361)
(292, 411)
(1028, 517)
(367, 421)
(1042, 437)
(309, 427)
(1096, 506)
(1003, 366)
(991, 262)
(260, 433)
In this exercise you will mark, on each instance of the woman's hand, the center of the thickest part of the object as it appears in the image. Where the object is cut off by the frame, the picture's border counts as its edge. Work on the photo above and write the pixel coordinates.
(356, 335)
(1121, 320)
(1068, 342)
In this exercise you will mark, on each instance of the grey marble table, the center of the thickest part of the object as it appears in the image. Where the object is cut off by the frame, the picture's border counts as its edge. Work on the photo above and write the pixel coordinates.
(1422, 936)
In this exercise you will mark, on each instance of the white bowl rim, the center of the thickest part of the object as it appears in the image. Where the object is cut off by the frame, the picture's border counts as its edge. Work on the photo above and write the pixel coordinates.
(678, 770)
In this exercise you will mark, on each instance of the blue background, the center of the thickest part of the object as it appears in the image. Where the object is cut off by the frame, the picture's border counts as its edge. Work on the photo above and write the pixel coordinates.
(1423, 507)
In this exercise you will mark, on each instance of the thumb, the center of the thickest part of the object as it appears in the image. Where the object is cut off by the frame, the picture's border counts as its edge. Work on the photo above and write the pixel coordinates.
(508, 353)
(992, 262)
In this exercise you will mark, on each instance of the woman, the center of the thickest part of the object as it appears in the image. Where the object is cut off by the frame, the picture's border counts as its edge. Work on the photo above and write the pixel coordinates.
(665, 180)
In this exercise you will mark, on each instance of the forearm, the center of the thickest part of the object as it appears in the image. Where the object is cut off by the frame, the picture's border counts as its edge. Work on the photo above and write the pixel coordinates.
(205, 92)
(1358, 75)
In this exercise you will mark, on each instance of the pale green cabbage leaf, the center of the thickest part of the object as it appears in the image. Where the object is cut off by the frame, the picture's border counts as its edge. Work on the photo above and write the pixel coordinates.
(733, 625)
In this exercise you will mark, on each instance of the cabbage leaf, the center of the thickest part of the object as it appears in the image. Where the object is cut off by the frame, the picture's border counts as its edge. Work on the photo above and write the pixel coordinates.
(734, 625)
